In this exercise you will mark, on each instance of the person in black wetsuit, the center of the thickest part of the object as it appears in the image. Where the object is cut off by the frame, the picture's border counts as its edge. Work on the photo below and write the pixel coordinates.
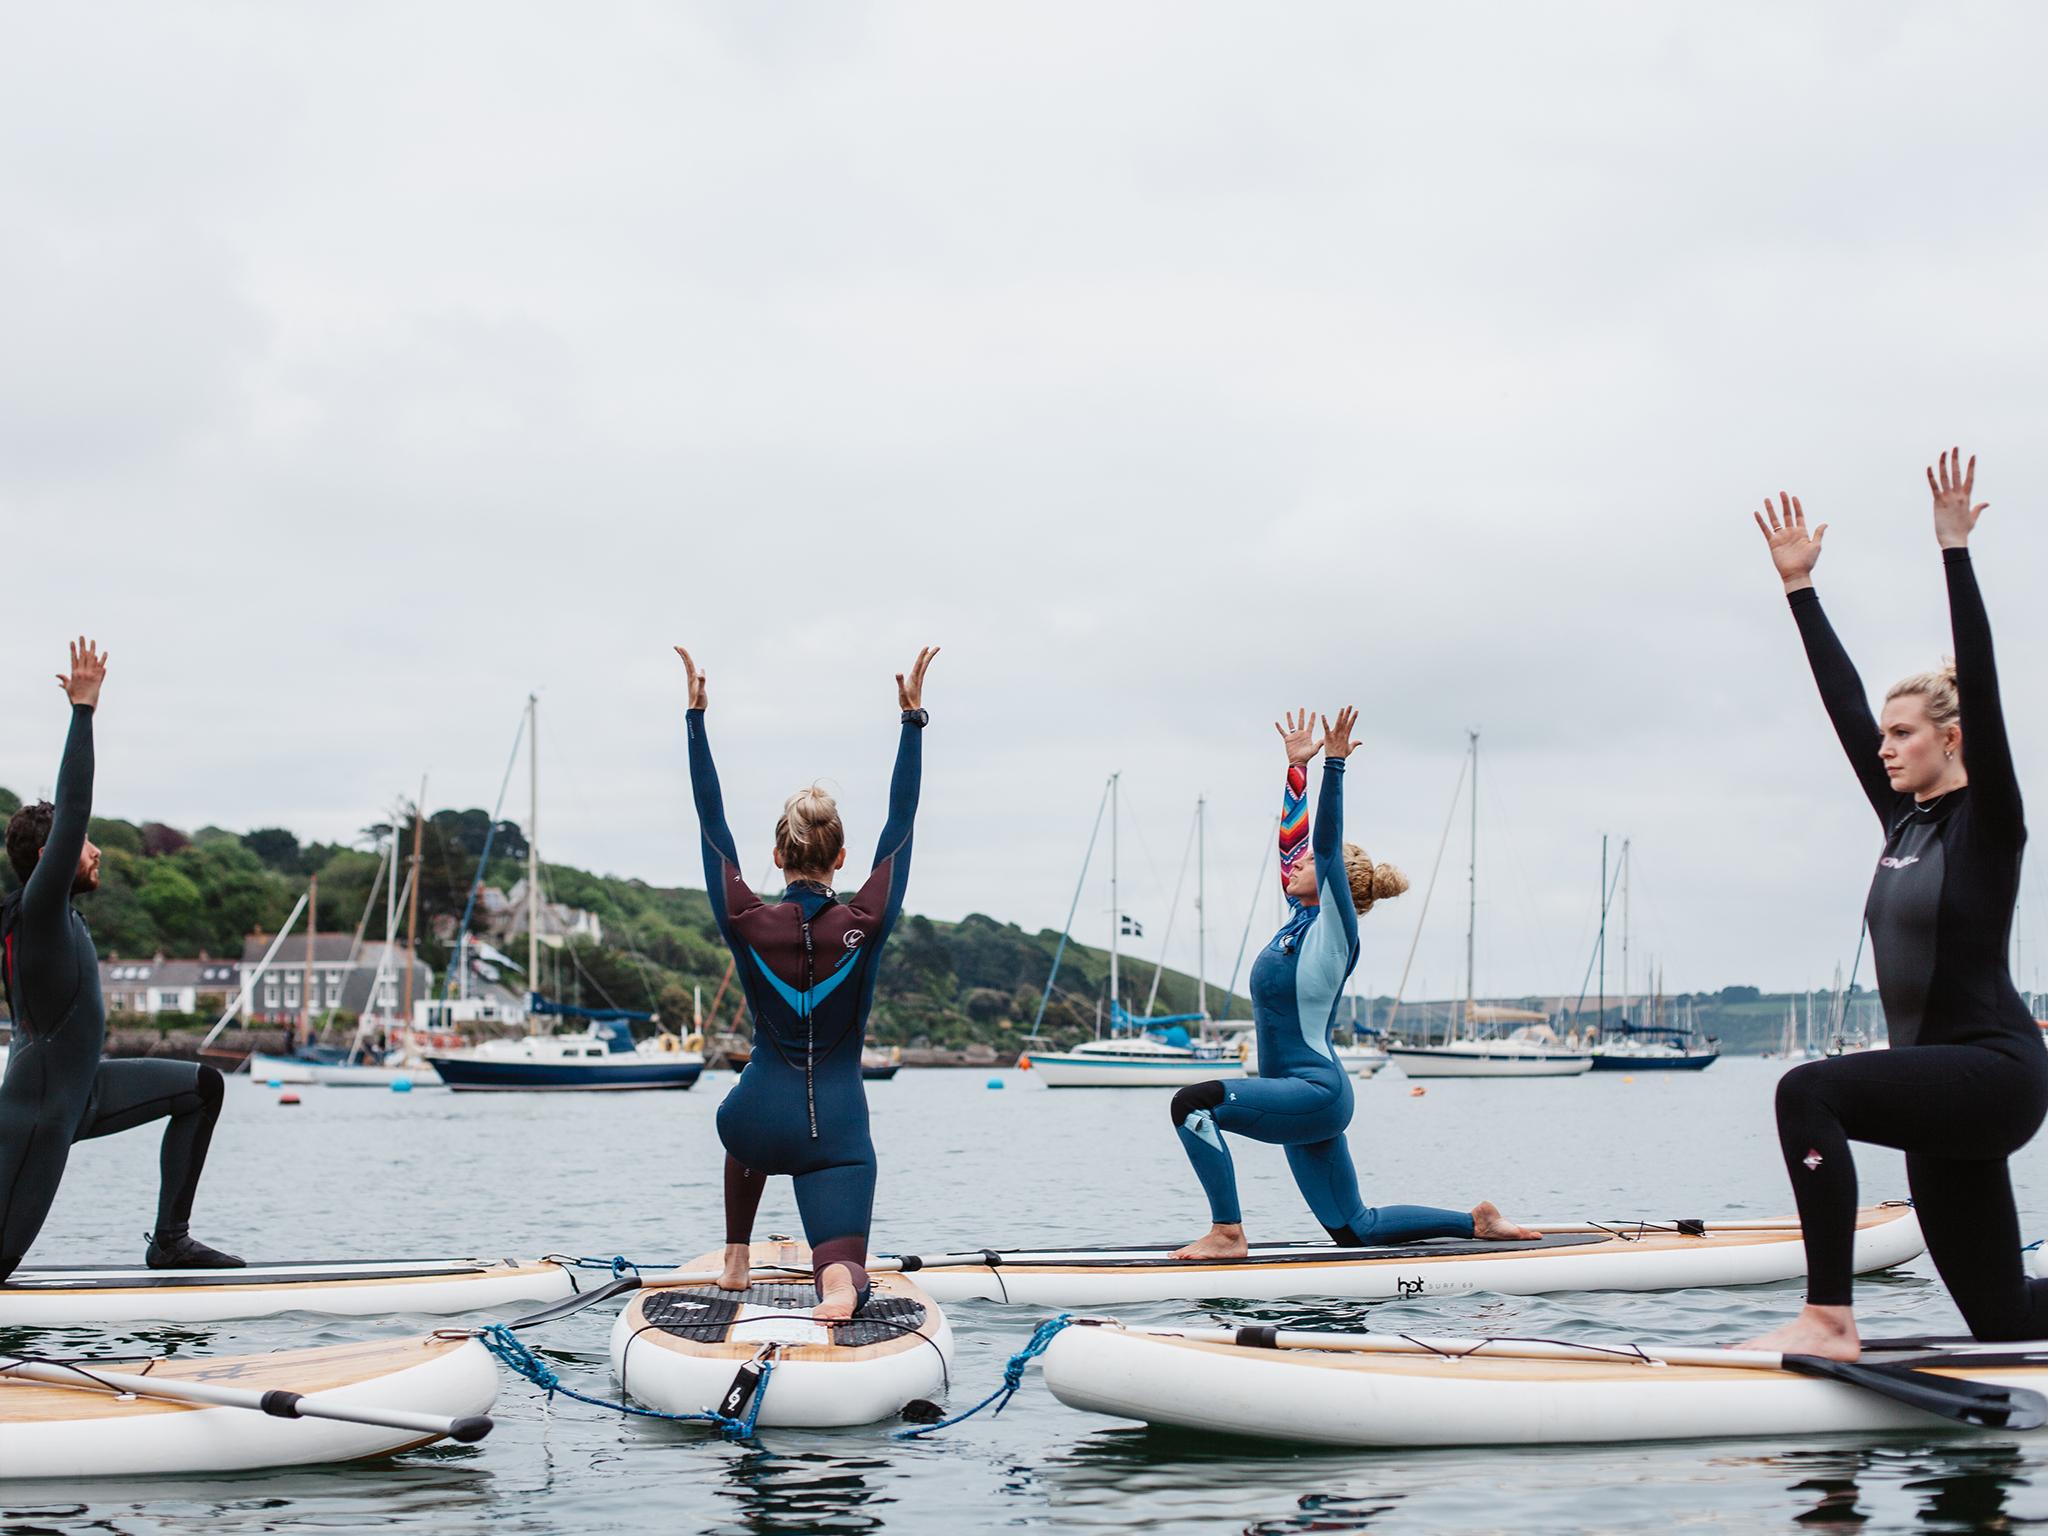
(1965, 1083)
(57, 1091)
(807, 965)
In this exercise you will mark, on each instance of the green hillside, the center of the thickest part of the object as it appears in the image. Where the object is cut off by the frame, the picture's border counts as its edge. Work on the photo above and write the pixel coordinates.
(943, 984)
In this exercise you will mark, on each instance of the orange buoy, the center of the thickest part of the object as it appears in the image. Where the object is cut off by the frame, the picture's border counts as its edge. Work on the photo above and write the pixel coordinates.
(1417, 1091)
(287, 1098)
(1023, 1063)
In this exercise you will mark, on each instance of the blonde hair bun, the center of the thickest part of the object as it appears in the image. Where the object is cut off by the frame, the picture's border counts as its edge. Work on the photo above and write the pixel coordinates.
(809, 835)
(1370, 882)
(1938, 689)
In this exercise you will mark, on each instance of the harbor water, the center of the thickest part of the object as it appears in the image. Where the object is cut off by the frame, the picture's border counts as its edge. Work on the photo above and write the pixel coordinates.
(371, 1174)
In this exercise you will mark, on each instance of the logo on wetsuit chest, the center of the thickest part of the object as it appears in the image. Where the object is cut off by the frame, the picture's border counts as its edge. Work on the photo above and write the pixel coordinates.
(854, 937)
(1891, 863)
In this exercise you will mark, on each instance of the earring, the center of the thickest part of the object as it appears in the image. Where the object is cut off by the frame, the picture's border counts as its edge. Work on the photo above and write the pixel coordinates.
(1949, 755)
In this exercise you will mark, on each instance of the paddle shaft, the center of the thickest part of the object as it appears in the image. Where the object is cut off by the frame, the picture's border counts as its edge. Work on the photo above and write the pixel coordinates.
(278, 1404)
(1484, 1348)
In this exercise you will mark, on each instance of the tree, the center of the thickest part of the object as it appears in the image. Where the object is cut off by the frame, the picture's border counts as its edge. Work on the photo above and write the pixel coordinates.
(275, 847)
(158, 839)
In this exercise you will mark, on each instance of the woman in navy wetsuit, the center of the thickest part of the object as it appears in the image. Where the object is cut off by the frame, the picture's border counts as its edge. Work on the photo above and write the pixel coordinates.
(1301, 1098)
(1965, 1082)
(807, 965)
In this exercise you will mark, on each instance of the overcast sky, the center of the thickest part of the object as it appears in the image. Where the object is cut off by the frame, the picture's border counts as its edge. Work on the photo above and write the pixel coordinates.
(363, 368)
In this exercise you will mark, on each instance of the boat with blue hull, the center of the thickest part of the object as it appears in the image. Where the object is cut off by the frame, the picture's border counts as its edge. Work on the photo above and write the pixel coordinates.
(604, 1057)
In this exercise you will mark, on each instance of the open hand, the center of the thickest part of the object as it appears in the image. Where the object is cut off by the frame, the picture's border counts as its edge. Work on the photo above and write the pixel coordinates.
(910, 691)
(1299, 735)
(1793, 551)
(1337, 739)
(88, 670)
(696, 680)
(1954, 517)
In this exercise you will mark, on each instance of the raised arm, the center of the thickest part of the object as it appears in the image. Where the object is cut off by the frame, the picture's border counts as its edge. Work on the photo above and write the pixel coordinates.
(721, 856)
(1299, 738)
(893, 847)
(1987, 751)
(48, 893)
(1795, 553)
(1333, 881)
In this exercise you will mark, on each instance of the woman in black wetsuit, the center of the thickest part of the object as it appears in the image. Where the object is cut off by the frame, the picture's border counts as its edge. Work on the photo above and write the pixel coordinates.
(1965, 1083)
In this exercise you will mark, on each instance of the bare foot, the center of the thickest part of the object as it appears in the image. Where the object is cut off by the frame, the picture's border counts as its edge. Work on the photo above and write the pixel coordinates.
(1225, 1240)
(836, 1296)
(739, 1264)
(1829, 1332)
(1488, 1222)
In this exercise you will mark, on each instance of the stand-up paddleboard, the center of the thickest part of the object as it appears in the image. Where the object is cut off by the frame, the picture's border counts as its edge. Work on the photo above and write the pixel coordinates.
(1387, 1390)
(695, 1348)
(56, 1298)
(80, 1428)
(1576, 1256)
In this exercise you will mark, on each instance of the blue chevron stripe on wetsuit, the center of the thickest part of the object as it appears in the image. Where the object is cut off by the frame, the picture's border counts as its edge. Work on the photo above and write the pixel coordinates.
(57, 1090)
(1965, 1084)
(1301, 1099)
(807, 965)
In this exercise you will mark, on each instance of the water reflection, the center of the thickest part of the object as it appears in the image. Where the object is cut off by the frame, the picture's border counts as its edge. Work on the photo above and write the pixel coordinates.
(778, 1492)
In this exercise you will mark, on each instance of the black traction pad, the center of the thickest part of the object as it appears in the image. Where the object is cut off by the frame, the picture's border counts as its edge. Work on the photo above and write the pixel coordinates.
(709, 1317)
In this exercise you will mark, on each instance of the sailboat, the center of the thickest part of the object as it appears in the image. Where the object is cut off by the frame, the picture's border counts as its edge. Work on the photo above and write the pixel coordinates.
(1530, 1048)
(1653, 1047)
(1152, 1052)
(605, 1055)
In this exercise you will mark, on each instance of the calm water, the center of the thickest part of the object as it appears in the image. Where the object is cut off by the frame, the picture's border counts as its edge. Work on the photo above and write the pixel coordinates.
(355, 1172)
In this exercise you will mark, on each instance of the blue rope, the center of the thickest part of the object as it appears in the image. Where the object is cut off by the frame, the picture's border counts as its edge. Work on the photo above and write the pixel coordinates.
(1013, 1378)
(507, 1347)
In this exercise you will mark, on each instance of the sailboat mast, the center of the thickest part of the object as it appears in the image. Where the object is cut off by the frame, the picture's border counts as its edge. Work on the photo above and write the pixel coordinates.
(1626, 997)
(1472, 883)
(1201, 918)
(390, 915)
(1116, 914)
(412, 903)
(306, 990)
(533, 847)
(1601, 1017)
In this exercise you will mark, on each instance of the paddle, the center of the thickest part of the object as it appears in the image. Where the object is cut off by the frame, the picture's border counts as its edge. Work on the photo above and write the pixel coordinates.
(277, 1403)
(1979, 1404)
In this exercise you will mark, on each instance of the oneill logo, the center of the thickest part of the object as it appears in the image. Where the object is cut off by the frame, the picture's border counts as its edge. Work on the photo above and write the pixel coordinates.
(1891, 863)
(1813, 1160)
(853, 938)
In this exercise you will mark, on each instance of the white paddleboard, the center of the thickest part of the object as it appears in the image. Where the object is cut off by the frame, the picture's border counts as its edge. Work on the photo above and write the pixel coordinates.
(83, 1431)
(1319, 1397)
(55, 1298)
(1620, 1256)
(681, 1348)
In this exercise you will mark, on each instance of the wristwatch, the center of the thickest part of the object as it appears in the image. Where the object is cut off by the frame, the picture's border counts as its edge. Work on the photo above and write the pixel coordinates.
(917, 717)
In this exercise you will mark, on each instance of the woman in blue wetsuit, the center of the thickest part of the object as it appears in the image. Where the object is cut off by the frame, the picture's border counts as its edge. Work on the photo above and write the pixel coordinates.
(1301, 1098)
(807, 965)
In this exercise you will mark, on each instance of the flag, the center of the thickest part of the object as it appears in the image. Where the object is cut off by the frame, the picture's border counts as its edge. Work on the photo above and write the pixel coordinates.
(1133, 928)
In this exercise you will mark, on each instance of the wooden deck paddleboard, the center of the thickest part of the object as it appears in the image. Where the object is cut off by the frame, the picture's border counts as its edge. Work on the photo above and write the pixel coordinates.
(1619, 1255)
(55, 1298)
(86, 1431)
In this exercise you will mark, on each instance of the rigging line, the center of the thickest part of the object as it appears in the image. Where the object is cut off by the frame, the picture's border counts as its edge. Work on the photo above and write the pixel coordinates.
(1079, 885)
(1593, 955)
(1258, 889)
(1172, 911)
(355, 948)
(484, 859)
(1500, 825)
(1457, 793)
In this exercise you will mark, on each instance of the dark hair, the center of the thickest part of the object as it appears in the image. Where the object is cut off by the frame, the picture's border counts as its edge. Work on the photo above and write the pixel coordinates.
(27, 830)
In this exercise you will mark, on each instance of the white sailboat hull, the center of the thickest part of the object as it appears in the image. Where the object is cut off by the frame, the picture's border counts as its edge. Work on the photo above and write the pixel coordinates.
(1096, 1072)
(1488, 1059)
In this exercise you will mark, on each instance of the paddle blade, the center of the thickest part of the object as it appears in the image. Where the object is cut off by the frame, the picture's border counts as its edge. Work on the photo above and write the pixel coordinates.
(1980, 1404)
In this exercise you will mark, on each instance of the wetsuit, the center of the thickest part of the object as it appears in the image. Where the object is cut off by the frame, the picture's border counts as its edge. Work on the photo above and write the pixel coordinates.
(1301, 1098)
(807, 965)
(1965, 1083)
(57, 1090)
